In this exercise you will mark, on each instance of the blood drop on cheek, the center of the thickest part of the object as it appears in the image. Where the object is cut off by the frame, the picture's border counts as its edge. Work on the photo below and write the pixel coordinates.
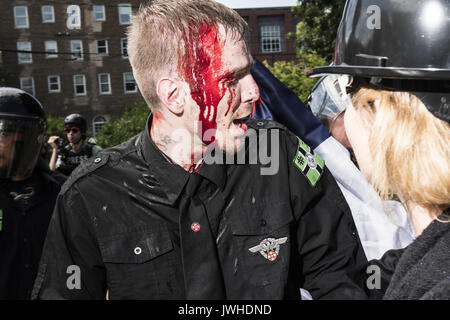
(201, 66)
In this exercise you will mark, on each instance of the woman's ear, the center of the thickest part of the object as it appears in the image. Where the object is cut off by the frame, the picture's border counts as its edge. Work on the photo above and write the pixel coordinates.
(171, 94)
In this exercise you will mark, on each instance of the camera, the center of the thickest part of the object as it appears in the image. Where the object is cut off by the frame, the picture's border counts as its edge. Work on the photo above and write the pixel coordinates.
(59, 143)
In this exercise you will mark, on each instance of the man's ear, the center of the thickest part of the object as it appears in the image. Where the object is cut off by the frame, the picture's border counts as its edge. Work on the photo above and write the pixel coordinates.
(171, 94)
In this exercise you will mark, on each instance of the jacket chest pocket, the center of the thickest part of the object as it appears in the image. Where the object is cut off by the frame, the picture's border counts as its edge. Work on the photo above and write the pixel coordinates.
(262, 235)
(139, 263)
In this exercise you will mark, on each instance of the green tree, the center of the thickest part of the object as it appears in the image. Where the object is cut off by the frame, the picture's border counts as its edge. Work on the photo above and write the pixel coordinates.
(293, 73)
(318, 27)
(122, 128)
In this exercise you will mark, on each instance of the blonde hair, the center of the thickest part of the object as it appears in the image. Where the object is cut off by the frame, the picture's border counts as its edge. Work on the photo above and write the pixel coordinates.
(161, 29)
(409, 147)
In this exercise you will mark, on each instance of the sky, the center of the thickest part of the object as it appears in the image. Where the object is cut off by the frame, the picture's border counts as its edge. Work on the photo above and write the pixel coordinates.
(240, 4)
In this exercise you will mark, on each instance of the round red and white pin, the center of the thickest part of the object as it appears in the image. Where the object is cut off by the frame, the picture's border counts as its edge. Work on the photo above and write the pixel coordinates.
(195, 227)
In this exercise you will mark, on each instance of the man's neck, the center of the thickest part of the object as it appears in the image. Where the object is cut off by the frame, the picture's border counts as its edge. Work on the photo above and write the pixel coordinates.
(176, 144)
(76, 146)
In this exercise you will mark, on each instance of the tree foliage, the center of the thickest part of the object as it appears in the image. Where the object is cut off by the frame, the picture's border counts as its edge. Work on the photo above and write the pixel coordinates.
(318, 27)
(293, 73)
(122, 128)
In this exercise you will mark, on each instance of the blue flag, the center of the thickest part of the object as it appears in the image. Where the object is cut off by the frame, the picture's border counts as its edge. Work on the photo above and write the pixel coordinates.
(282, 105)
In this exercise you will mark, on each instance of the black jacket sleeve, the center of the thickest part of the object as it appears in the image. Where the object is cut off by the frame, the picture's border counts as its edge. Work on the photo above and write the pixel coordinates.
(333, 262)
(71, 266)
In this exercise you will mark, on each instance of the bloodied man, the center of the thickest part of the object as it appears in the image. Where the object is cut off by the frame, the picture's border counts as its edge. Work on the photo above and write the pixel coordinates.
(149, 219)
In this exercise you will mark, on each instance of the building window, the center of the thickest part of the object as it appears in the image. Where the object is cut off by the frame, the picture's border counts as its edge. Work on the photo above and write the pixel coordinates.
(272, 33)
(97, 125)
(24, 57)
(48, 14)
(76, 48)
(51, 46)
(27, 84)
(73, 17)
(129, 84)
(21, 17)
(124, 47)
(125, 13)
(79, 84)
(102, 47)
(54, 84)
(104, 83)
(99, 13)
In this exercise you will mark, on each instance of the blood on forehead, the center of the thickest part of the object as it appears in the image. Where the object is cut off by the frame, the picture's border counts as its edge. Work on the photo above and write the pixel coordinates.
(201, 66)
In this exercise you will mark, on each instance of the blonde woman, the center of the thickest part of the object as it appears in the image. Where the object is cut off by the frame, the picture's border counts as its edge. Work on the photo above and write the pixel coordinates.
(398, 126)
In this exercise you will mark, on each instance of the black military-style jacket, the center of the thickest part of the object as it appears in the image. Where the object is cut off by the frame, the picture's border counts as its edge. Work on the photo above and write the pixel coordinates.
(133, 225)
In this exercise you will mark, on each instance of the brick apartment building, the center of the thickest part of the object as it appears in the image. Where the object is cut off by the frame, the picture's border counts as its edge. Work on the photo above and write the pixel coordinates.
(78, 61)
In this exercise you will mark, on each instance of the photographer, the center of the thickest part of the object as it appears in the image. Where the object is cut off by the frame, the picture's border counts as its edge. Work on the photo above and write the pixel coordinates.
(66, 159)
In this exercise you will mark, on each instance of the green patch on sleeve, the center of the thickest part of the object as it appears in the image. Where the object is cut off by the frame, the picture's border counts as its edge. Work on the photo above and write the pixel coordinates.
(311, 165)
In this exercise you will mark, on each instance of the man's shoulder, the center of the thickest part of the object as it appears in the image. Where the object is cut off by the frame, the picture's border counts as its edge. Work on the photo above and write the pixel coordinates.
(104, 158)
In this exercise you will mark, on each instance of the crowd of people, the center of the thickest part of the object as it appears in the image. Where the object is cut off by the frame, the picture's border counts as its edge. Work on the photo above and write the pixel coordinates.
(152, 219)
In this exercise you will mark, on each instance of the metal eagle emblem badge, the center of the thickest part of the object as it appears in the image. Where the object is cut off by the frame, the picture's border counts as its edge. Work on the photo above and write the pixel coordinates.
(269, 248)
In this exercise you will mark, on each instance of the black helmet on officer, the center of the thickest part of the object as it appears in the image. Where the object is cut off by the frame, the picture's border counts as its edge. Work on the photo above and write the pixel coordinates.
(396, 45)
(76, 120)
(22, 133)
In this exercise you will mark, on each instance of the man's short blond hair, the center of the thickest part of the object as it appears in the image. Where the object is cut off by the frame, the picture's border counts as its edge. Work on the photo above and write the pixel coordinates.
(155, 37)
(409, 147)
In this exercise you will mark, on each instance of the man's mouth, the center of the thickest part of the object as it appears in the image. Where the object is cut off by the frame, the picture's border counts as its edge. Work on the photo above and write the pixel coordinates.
(240, 123)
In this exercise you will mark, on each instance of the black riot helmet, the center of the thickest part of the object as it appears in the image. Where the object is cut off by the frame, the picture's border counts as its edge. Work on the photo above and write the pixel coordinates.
(401, 45)
(22, 133)
(76, 120)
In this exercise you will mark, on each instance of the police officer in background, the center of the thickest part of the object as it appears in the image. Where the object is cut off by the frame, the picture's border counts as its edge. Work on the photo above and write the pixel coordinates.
(66, 158)
(28, 190)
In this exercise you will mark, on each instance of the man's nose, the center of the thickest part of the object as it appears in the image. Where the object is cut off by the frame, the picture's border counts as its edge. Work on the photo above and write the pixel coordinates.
(250, 90)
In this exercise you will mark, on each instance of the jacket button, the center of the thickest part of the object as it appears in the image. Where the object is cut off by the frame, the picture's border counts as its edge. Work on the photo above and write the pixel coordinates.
(263, 222)
(137, 250)
(260, 124)
(97, 160)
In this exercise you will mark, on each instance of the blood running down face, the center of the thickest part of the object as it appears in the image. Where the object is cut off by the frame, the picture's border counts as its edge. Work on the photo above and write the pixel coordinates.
(216, 66)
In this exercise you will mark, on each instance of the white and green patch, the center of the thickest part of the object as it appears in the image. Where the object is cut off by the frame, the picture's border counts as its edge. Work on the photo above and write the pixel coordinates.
(309, 163)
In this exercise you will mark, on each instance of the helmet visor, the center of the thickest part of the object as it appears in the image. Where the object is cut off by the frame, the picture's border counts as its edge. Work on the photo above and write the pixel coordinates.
(20, 144)
(329, 98)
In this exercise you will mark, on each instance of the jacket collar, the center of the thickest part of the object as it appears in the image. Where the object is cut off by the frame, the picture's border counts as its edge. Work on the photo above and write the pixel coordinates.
(171, 177)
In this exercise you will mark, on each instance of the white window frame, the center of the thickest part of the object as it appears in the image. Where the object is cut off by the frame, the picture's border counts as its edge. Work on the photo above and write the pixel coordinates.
(124, 47)
(96, 122)
(100, 83)
(94, 7)
(106, 47)
(21, 56)
(50, 90)
(75, 84)
(74, 53)
(49, 46)
(125, 83)
(124, 5)
(73, 12)
(272, 34)
(27, 25)
(52, 20)
(22, 79)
